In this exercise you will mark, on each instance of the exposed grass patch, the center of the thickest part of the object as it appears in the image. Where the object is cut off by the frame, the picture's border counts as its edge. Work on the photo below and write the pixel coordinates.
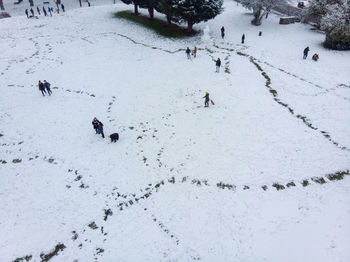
(157, 25)
(278, 186)
(319, 180)
(338, 175)
(46, 257)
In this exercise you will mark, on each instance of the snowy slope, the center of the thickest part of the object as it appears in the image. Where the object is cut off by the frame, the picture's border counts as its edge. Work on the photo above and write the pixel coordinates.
(184, 182)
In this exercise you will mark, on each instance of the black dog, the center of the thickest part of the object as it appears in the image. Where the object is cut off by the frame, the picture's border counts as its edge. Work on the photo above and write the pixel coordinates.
(114, 137)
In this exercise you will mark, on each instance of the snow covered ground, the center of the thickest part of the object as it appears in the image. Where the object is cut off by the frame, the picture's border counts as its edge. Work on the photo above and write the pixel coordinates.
(260, 176)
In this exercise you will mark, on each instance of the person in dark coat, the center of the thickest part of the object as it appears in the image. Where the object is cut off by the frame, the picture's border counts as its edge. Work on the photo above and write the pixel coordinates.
(47, 86)
(50, 11)
(95, 124)
(188, 52)
(222, 32)
(306, 52)
(218, 64)
(37, 9)
(27, 13)
(32, 12)
(44, 10)
(42, 88)
(62, 6)
(243, 37)
(206, 101)
(98, 126)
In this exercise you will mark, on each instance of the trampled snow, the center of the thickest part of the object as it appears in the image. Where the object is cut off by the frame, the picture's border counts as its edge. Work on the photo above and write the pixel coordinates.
(259, 176)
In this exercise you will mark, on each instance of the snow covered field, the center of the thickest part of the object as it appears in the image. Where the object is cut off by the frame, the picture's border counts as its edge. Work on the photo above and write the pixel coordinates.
(260, 176)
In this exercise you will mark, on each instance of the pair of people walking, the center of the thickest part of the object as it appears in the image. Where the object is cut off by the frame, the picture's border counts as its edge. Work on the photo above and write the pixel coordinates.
(189, 52)
(98, 126)
(45, 87)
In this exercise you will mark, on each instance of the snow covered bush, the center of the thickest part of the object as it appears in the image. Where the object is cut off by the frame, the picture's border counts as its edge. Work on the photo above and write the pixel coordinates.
(260, 8)
(336, 24)
(316, 10)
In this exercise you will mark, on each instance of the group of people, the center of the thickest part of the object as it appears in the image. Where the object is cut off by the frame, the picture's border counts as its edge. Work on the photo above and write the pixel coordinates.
(45, 87)
(315, 56)
(189, 52)
(49, 10)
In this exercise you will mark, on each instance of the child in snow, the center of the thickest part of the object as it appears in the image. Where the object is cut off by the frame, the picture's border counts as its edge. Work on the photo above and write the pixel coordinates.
(218, 64)
(206, 101)
(194, 52)
(315, 57)
(47, 86)
(188, 52)
(42, 88)
(243, 37)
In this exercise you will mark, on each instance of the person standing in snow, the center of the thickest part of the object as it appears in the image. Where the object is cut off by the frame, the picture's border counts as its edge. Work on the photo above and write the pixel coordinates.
(37, 9)
(206, 101)
(98, 126)
(188, 52)
(62, 6)
(44, 10)
(222, 32)
(42, 88)
(50, 11)
(32, 12)
(47, 86)
(218, 64)
(194, 52)
(243, 37)
(306, 52)
(27, 13)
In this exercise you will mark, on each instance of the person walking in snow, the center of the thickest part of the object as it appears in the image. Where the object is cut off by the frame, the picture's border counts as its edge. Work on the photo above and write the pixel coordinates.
(44, 10)
(50, 10)
(188, 52)
(306, 52)
(42, 88)
(27, 13)
(47, 86)
(38, 10)
(243, 37)
(98, 126)
(206, 101)
(62, 6)
(222, 32)
(194, 52)
(32, 12)
(218, 64)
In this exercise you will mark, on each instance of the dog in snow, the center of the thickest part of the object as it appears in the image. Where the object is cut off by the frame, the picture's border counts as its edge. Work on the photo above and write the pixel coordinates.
(114, 137)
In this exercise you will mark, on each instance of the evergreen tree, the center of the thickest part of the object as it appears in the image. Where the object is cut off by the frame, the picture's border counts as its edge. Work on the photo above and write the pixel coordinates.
(336, 24)
(196, 11)
(136, 3)
(317, 10)
(150, 5)
(167, 7)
